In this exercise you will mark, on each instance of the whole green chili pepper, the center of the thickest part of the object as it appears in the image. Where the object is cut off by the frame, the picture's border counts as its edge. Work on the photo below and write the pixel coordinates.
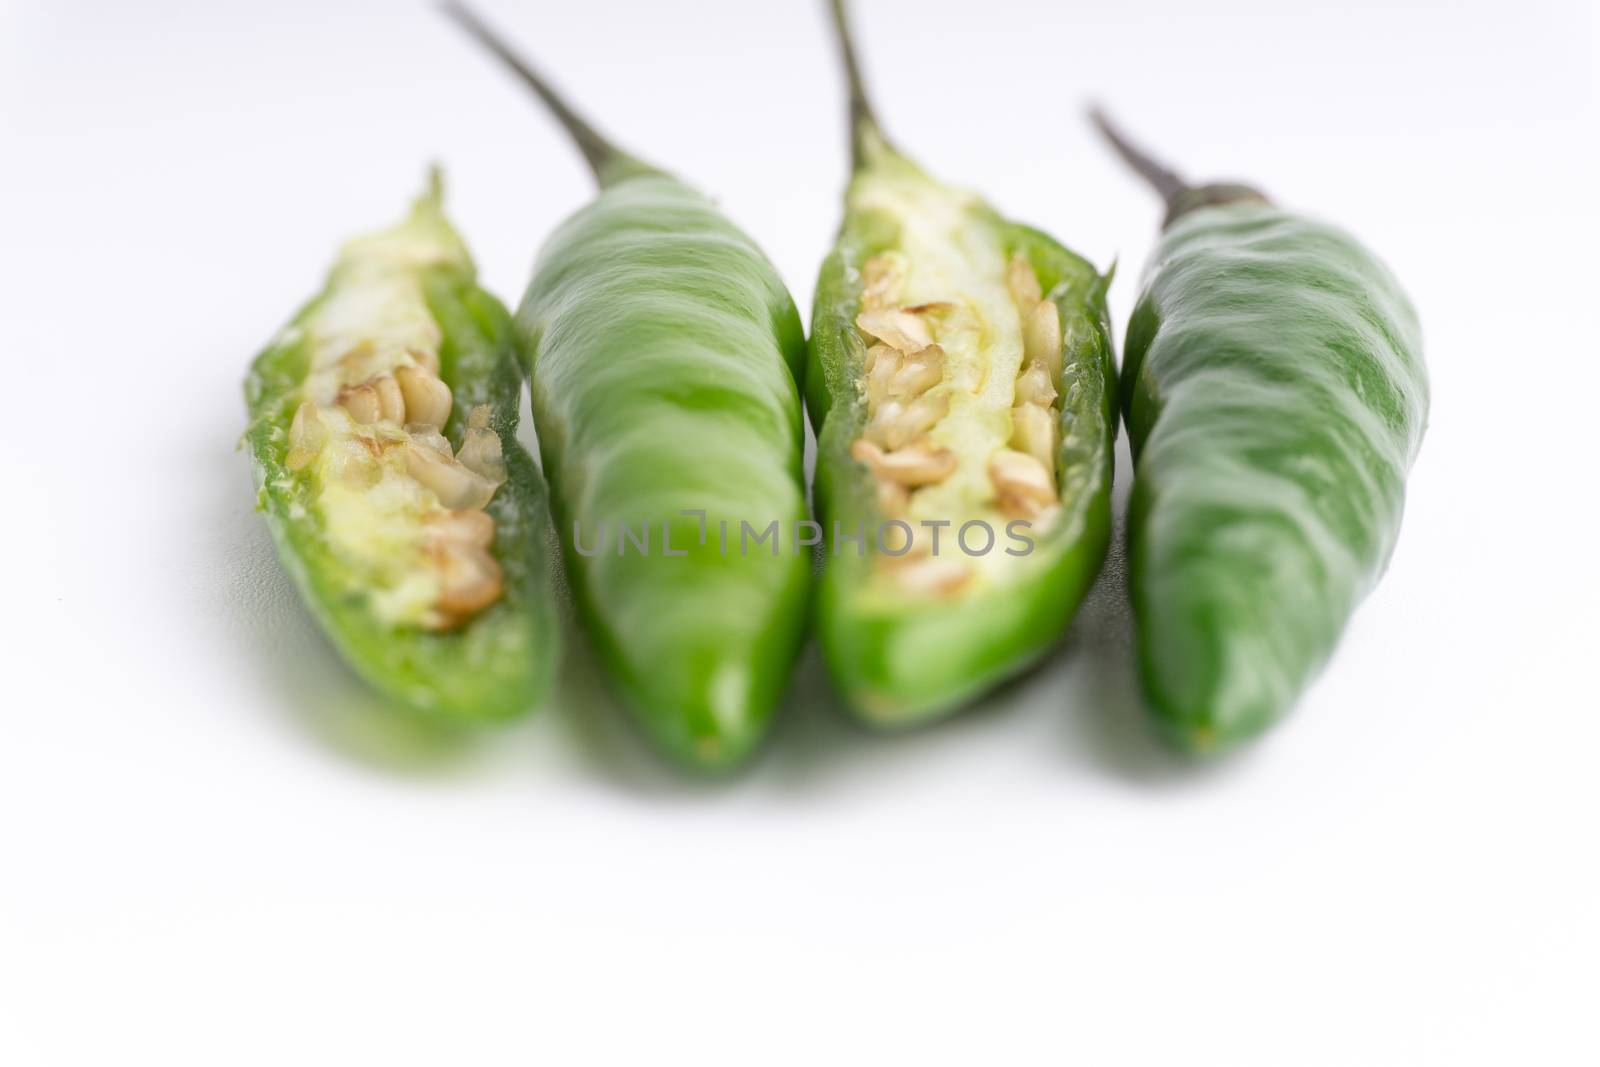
(382, 435)
(663, 354)
(961, 381)
(1276, 396)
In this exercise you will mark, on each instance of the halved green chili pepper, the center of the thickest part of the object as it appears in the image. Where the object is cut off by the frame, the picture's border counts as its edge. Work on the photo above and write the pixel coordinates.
(961, 381)
(382, 434)
(663, 353)
(1276, 396)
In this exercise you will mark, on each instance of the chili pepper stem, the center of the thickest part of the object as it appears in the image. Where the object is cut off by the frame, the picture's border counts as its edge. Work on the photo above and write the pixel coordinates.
(608, 162)
(431, 202)
(1166, 181)
(865, 131)
(1179, 196)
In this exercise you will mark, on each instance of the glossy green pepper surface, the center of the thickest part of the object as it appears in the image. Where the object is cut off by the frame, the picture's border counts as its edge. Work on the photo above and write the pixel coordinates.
(900, 657)
(1275, 397)
(664, 353)
(499, 662)
(664, 356)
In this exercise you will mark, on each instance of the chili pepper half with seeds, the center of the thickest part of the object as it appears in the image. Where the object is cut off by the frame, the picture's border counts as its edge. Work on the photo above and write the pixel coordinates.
(383, 439)
(1276, 396)
(962, 385)
(663, 353)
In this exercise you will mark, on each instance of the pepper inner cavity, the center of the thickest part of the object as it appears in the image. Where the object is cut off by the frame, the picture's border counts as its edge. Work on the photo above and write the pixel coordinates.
(960, 382)
(399, 506)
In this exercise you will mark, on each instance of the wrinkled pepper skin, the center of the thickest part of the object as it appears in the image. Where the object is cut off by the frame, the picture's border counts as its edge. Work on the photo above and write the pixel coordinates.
(899, 662)
(664, 353)
(502, 662)
(1276, 397)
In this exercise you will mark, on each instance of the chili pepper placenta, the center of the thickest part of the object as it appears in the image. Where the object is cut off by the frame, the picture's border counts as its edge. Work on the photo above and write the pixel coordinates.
(961, 382)
(663, 356)
(383, 438)
(1275, 396)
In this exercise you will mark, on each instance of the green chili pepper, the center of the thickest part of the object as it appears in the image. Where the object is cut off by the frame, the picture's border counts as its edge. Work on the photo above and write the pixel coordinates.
(1276, 397)
(663, 354)
(961, 373)
(382, 434)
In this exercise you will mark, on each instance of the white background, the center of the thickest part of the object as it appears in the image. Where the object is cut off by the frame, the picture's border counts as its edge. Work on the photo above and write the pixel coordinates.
(215, 849)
